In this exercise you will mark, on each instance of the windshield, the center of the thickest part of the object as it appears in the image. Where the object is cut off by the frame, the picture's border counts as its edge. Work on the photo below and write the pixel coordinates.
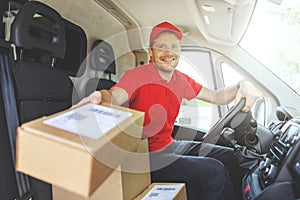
(273, 38)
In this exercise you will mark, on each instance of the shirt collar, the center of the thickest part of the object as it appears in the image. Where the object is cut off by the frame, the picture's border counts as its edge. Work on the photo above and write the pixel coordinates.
(157, 78)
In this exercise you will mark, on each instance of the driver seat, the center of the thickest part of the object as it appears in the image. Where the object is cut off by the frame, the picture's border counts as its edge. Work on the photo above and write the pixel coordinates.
(102, 60)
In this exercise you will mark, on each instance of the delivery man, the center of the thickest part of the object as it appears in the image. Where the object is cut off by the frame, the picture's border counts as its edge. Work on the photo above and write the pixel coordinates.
(157, 89)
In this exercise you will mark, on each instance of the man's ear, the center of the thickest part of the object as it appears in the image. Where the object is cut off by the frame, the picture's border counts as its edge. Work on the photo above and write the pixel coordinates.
(150, 52)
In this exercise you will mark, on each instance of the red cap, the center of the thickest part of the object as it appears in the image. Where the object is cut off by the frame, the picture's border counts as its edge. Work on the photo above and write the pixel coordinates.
(164, 26)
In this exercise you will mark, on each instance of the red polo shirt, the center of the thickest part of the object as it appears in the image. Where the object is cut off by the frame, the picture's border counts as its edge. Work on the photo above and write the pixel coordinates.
(159, 99)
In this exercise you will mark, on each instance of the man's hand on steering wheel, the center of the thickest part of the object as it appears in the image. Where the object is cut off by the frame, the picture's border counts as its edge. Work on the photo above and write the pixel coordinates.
(249, 92)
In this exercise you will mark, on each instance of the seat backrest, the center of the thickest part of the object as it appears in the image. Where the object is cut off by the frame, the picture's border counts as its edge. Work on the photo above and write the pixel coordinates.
(102, 57)
(102, 60)
(41, 88)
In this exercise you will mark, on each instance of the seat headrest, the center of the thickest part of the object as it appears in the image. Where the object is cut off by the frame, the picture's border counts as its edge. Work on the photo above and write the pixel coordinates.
(38, 26)
(102, 57)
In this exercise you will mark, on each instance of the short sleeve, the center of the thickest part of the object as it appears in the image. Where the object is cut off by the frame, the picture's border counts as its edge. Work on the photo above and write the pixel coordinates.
(192, 88)
(127, 82)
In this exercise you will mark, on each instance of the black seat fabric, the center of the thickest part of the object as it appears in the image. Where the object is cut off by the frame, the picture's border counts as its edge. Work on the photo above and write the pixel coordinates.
(102, 60)
(41, 88)
(40, 91)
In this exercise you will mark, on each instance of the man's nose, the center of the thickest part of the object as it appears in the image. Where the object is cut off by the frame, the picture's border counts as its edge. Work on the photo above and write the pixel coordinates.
(170, 50)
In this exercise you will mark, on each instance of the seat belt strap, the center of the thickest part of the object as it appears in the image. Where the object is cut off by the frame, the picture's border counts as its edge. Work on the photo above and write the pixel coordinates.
(10, 108)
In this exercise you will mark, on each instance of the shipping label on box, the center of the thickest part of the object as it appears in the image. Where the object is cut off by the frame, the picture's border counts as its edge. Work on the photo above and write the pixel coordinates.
(164, 191)
(92, 121)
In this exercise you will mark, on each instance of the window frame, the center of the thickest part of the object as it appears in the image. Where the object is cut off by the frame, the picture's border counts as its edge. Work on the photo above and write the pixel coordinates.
(211, 83)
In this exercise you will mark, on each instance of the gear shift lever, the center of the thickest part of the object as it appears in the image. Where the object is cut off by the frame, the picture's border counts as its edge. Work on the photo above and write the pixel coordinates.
(246, 158)
(251, 138)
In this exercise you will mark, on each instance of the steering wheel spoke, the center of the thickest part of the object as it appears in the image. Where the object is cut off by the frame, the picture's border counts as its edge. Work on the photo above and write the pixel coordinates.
(213, 135)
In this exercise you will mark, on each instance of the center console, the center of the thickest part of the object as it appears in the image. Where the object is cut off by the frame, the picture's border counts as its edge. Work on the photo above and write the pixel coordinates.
(277, 176)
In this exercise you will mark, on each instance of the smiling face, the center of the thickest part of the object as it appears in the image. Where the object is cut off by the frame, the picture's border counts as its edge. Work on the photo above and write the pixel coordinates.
(165, 51)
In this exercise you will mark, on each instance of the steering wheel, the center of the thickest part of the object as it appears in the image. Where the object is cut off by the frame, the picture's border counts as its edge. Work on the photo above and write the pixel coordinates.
(213, 135)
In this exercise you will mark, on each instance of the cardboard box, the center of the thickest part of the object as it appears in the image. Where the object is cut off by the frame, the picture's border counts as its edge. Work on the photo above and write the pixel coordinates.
(78, 162)
(120, 185)
(164, 191)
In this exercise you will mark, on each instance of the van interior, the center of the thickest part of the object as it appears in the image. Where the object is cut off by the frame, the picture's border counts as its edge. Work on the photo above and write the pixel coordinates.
(54, 53)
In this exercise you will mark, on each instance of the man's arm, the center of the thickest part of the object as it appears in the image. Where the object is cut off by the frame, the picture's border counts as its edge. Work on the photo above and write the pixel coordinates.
(117, 96)
(244, 89)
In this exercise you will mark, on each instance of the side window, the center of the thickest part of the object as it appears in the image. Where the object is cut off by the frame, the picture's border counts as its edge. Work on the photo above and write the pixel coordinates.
(195, 113)
(230, 77)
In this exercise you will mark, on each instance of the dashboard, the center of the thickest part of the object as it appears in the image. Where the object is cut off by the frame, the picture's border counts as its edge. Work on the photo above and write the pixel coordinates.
(277, 175)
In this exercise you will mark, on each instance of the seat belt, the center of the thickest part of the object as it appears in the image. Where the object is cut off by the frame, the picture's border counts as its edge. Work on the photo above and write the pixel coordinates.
(10, 108)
